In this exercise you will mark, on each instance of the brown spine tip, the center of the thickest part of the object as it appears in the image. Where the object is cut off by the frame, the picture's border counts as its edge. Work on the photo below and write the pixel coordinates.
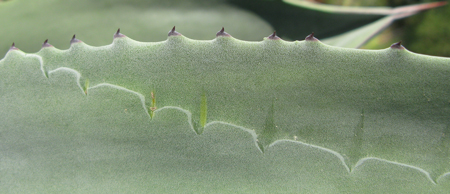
(46, 44)
(74, 40)
(397, 45)
(311, 37)
(222, 33)
(274, 36)
(13, 47)
(118, 34)
(173, 32)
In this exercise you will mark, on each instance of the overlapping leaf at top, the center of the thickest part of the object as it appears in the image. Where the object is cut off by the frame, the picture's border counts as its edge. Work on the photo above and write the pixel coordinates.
(348, 26)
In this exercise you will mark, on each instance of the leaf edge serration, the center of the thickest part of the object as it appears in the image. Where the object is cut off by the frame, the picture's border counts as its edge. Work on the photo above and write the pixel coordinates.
(189, 114)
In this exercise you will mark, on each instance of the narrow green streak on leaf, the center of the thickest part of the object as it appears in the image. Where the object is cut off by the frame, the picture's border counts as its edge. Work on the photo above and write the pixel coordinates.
(153, 100)
(357, 140)
(153, 105)
(445, 138)
(443, 152)
(269, 130)
(203, 110)
(46, 74)
(86, 86)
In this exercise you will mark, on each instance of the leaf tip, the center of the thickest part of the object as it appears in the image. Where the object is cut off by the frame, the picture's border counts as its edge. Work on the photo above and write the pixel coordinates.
(173, 32)
(397, 45)
(311, 37)
(274, 36)
(118, 34)
(222, 33)
(433, 4)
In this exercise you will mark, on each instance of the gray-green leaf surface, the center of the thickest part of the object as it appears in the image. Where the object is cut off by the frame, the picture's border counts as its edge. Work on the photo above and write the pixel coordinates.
(282, 117)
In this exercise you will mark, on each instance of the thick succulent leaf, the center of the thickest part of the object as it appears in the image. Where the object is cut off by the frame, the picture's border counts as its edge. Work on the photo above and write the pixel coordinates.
(294, 19)
(404, 10)
(359, 36)
(288, 117)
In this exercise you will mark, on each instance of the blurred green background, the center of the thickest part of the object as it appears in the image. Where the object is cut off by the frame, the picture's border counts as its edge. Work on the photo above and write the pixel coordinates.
(425, 33)
(29, 22)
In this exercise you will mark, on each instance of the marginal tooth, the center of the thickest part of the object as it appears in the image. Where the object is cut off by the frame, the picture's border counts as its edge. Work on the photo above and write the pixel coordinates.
(274, 36)
(74, 40)
(118, 34)
(222, 33)
(173, 32)
(311, 37)
(397, 45)
(13, 47)
(46, 44)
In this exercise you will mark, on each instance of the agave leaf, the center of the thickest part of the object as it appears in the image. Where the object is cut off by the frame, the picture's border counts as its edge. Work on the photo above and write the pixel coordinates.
(327, 19)
(358, 37)
(294, 19)
(289, 117)
(403, 10)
